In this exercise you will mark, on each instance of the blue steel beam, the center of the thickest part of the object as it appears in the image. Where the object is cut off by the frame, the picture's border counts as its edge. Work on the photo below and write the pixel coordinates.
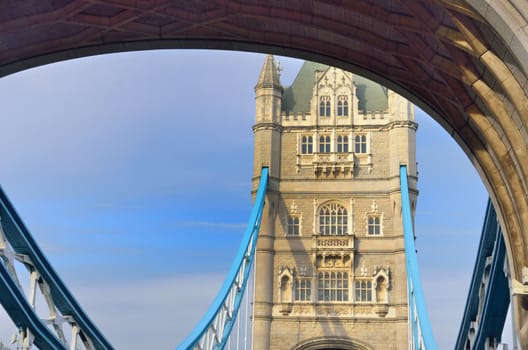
(23, 243)
(485, 249)
(488, 319)
(212, 332)
(22, 314)
(421, 327)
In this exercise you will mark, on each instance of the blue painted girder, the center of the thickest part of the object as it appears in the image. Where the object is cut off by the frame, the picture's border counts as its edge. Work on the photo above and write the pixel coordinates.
(497, 295)
(23, 243)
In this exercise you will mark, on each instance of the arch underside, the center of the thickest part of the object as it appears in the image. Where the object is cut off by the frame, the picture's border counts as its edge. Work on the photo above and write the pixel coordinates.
(463, 61)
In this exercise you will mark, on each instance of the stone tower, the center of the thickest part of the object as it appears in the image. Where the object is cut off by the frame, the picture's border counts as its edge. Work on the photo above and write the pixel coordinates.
(330, 263)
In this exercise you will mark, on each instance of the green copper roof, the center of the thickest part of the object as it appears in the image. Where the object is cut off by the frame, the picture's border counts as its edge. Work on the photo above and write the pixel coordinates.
(372, 96)
(296, 98)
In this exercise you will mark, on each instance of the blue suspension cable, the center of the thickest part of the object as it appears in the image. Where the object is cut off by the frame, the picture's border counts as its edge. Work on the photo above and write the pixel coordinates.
(421, 327)
(212, 332)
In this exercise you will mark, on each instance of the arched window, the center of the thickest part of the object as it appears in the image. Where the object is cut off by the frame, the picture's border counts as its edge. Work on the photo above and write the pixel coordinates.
(332, 286)
(307, 145)
(333, 220)
(360, 142)
(342, 144)
(322, 109)
(324, 144)
(324, 106)
(363, 291)
(342, 106)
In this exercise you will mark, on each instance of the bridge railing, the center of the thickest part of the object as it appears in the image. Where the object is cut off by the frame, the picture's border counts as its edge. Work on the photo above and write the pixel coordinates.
(212, 332)
(17, 245)
(422, 333)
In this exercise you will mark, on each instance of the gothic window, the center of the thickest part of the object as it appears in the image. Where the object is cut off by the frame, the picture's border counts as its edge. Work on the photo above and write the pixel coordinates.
(307, 145)
(360, 142)
(342, 144)
(293, 226)
(342, 106)
(363, 291)
(374, 225)
(324, 106)
(332, 286)
(333, 220)
(303, 289)
(324, 144)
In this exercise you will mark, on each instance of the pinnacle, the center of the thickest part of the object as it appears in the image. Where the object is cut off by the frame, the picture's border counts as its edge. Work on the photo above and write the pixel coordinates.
(270, 75)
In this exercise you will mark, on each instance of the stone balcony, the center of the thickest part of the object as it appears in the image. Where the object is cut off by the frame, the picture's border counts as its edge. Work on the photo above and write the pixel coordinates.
(334, 242)
(333, 163)
(333, 251)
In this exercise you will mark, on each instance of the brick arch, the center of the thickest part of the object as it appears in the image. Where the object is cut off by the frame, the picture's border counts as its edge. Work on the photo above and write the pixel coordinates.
(465, 62)
(332, 343)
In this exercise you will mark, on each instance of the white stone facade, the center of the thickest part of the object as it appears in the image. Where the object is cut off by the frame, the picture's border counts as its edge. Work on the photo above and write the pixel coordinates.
(330, 265)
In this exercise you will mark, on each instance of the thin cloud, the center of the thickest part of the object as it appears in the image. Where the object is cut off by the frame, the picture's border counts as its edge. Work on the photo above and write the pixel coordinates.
(162, 310)
(209, 225)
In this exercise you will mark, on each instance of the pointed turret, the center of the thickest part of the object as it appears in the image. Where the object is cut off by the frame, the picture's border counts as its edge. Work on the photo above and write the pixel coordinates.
(268, 102)
(268, 93)
(270, 74)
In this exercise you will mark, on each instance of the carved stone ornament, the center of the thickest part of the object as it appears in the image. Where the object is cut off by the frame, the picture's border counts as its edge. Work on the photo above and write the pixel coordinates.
(303, 310)
(303, 270)
(374, 207)
(363, 309)
(333, 260)
(293, 208)
(285, 271)
(363, 271)
(381, 310)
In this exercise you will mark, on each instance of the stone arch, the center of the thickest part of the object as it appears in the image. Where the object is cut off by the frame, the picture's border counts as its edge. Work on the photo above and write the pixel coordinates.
(332, 343)
(466, 64)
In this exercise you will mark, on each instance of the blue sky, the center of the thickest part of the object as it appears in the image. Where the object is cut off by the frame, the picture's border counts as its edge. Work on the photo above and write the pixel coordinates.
(133, 173)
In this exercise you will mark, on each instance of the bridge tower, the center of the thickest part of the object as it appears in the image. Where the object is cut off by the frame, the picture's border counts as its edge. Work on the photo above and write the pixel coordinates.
(330, 263)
